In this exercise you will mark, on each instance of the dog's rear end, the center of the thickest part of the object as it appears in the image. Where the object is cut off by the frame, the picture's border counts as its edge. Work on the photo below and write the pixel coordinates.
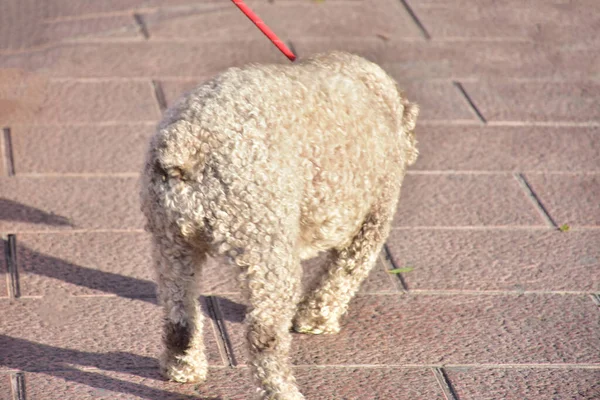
(270, 165)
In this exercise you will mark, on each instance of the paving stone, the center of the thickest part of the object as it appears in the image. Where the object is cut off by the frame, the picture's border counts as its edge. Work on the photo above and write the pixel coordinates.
(539, 20)
(63, 203)
(405, 60)
(36, 100)
(78, 264)
(144, 59)
(225, 383)
(525, 384)
(20, 24)
(536, 101)
(98, 384)
(5, 387)
(91, 263)
(85, 8)
(464, 200)
(570, 198)
(60, 331)
(80, 149)
(29, 24)
(503, 148)
(114, 26)
(367, 383)
(396, 330)
(174, 89)
(462, 60)
(498, 260)
(438, 100)
(385, 18)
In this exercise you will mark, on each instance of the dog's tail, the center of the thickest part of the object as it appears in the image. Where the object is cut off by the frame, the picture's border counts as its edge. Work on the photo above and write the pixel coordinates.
(175, 166)
(178, 152)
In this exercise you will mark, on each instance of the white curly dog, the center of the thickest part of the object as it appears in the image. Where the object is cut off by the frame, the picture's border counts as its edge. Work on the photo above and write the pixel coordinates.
(270, 165)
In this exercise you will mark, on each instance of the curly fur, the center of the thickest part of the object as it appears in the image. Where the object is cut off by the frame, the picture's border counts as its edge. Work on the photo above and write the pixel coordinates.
(270, 165)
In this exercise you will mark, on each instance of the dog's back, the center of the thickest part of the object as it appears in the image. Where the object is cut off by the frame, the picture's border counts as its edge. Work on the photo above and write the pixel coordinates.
(335, 121)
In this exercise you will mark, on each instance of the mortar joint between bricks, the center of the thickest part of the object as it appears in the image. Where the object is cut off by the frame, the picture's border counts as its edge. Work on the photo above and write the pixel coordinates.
(388, 261)
(216, 315)
(7, 151)
(470, 101)
(139, 20)
(416, 19)
(17, 383)
(10, 254)
(444, 382)
(159, 95)
(535, 200)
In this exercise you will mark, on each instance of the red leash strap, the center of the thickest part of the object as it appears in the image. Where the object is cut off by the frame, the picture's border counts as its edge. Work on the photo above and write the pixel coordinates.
(264, 29)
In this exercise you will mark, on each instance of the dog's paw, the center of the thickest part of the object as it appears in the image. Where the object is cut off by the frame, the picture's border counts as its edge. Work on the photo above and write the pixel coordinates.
(316, 330)
(315, 326)
(313, 319)
(186, 368)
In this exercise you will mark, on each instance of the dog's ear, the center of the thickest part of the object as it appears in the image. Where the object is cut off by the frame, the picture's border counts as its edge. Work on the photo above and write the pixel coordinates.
(409, 116)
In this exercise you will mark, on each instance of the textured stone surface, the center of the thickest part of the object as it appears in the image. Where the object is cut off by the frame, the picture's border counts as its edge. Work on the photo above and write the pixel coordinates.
(5, 387)
(438, 101)
(86, 264)
(93, 28)
(59, 331)
(460, 60)
(80, 149)
(536, 101)
(497, 148)
(570, 198)
(461, 329)
(99, 263)
(173, 89)
(62, 203)
(143, 59)
(23, 11)
(36, 100)
(518, 384)
(498, 260)
(464, 200)
(537, 20)
(406, 60)
(225, 383)
(384, 18)
(99, 384)
(368, 383)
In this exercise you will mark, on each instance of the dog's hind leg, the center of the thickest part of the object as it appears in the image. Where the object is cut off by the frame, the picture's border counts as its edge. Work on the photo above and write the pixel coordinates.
(321, 310)
(177, 266)
(271, 276)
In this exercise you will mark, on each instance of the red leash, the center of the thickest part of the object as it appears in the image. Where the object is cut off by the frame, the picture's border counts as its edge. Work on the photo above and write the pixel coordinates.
(264, 29)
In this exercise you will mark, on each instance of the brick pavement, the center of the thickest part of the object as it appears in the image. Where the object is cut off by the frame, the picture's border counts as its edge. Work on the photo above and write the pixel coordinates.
(500, 305)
